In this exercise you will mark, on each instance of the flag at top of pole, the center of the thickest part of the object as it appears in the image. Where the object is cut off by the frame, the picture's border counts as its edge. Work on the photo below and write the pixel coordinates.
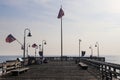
(61, 13)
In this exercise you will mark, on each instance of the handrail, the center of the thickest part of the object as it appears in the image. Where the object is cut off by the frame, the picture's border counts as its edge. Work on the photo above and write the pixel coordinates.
(107, 70)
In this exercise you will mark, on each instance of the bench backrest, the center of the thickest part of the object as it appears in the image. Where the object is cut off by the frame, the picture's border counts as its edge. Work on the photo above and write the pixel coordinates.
(10, 65)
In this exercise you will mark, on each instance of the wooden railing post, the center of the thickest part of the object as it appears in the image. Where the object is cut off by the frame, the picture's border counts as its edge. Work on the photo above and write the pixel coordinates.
(4, 68)
(102, 72)
(115, 74)
(110, 73)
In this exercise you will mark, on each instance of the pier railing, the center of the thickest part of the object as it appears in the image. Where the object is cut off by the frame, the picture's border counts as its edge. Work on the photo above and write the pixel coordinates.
(66, 58)
(103, 70)
(5, 67)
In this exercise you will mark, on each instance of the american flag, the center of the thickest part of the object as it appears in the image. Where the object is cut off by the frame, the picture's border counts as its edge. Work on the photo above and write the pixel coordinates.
(61, 13)
(34, 45)
(10, 38)
(83, 53)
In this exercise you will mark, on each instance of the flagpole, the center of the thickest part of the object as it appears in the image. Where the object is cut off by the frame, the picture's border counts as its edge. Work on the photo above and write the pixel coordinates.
(60, 14)
(61, 41)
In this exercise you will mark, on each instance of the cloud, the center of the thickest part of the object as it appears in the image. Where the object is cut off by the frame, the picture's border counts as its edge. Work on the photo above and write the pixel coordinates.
(91, 7)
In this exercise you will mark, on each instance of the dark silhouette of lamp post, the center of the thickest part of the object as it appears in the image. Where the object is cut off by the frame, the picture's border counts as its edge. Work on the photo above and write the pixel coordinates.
(40, 51)
(91, 50)
(29, 35)
(79, 48)
(97, 45)
(40, 47)
(43, 43)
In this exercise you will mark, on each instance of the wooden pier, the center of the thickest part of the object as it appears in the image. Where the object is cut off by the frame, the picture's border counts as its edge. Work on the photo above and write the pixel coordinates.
(54, 70)
(68, 69)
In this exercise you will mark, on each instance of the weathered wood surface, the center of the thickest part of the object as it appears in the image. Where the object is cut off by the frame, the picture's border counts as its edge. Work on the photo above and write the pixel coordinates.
(55, 70)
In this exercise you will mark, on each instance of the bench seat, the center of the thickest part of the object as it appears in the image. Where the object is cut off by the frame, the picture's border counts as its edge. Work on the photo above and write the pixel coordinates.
(19, 70)
(83, 65)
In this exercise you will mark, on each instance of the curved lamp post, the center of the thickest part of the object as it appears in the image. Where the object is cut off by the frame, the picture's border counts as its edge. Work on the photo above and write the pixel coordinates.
(97, 45)
(91, 50)
(29, 35)
(79, 48)
(43, 43)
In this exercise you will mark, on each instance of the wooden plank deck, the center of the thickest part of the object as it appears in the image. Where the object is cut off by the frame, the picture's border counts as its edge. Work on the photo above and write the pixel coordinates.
(56, 70)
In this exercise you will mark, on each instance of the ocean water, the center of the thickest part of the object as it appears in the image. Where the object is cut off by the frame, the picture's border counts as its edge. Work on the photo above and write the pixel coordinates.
(113, 59)
(5, 58)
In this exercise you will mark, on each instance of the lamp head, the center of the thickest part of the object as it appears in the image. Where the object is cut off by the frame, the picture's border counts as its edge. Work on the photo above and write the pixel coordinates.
(95, 45)
(45, 43)
(29, 34)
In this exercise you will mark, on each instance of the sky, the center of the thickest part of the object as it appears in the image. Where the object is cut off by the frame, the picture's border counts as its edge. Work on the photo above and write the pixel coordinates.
(89, 20)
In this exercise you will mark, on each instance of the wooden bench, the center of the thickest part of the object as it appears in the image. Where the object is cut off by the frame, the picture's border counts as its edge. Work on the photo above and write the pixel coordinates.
(9, 65)
(19, 70)
(13, 67)
(83, 65)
